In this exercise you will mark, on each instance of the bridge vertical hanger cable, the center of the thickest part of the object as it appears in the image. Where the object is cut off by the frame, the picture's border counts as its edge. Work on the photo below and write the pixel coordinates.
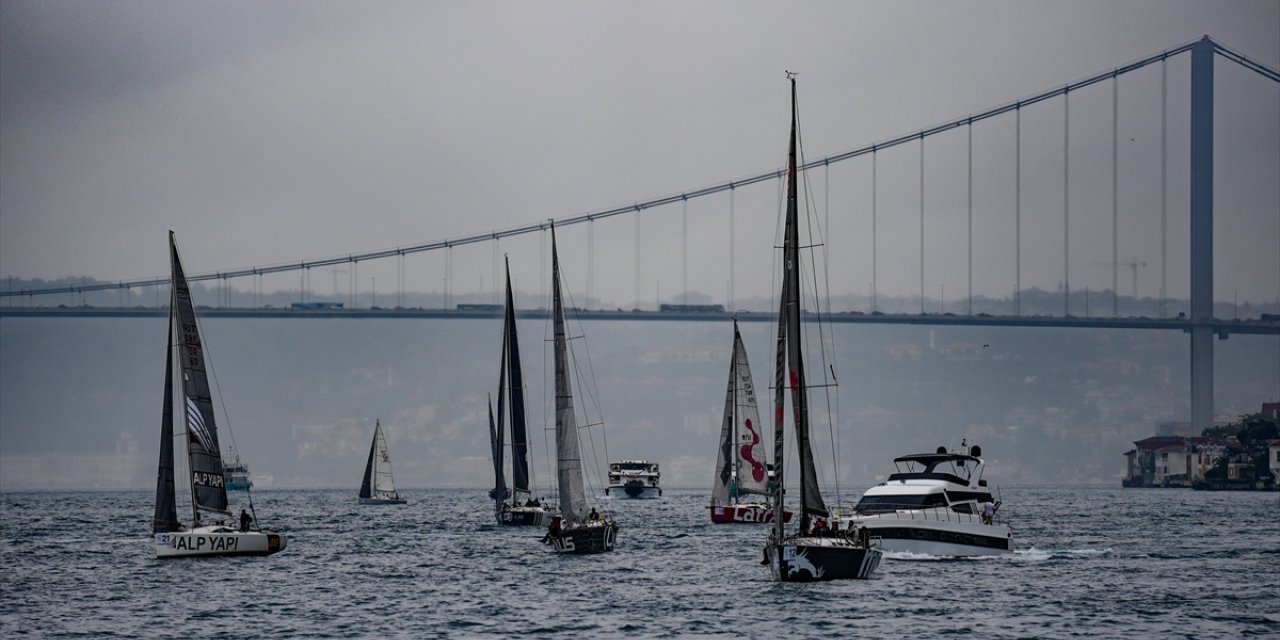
(970, 232)
(826, 231)
(591, 261)
(1066, 203)
(921, 223)
(1164, 185)
(1017, 212)
(636, 251)
(874, 157)
(732, 241)
(684, 250)
(1115, 197)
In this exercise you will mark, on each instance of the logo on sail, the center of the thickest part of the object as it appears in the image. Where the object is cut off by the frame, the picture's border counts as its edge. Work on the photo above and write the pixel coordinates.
(197, 428)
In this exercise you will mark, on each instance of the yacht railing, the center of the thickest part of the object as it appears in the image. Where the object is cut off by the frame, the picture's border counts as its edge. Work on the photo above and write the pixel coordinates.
(936, 514)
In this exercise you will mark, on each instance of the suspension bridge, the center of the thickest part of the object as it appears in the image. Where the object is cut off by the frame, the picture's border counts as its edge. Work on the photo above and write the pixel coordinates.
(1028, 198)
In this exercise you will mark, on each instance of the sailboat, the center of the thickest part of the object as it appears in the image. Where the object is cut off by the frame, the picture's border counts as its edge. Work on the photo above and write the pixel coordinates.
(528, 512)
(740, 466)
(810, 553)
(379, 486)
(206, 479)
(574, 530)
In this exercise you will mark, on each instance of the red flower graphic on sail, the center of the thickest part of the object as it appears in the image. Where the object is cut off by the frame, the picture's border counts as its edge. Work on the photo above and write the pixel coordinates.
(757, 469)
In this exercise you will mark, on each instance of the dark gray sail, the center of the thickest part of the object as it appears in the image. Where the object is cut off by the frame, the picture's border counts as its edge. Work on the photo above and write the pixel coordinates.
(789, 329)
(519, 433)
(208, 489)
(366, 486)
(495, 443)
(166, 518)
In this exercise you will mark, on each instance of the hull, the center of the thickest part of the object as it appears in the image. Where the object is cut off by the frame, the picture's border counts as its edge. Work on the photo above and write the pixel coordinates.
(744, 514)
(218, 541)
(584, 539)
(635, 492)
(522, 517)
(382, 501)
(969, 537)
(812, 559)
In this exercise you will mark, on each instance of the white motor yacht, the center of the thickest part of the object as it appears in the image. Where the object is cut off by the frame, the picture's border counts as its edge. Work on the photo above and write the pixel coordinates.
(935, 504)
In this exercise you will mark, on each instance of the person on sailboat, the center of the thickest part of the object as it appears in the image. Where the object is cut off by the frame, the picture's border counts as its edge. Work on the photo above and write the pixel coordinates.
(245, 520)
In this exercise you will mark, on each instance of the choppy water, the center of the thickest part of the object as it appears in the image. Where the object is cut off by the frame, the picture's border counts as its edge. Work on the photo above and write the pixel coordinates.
(1090, 562)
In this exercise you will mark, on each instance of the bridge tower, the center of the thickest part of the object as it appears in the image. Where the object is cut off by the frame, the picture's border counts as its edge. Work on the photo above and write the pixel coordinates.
(1202, 54)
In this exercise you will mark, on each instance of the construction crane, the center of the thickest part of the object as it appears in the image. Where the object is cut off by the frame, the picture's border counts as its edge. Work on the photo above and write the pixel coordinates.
(1133, 266)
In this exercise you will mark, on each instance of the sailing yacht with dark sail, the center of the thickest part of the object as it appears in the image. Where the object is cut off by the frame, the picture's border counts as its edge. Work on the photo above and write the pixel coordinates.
(741, 469)
(205, 477)
(379, 486)
(523, 509)
(575, 530)
(811, 553)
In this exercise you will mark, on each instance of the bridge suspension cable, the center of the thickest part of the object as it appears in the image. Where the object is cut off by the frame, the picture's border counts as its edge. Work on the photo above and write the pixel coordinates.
(638, 207)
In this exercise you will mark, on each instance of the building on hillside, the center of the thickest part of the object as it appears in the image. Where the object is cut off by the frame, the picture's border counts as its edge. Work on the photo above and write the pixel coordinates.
(1168, 461)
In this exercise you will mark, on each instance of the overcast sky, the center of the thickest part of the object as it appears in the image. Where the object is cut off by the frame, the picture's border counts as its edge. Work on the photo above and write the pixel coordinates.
(266, 133)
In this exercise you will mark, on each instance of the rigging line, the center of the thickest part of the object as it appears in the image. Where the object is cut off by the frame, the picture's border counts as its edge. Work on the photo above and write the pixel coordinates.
(970, 231)
(811, 219)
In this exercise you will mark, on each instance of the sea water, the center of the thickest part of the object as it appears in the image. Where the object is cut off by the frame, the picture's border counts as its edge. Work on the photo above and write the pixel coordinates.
(1089, 562)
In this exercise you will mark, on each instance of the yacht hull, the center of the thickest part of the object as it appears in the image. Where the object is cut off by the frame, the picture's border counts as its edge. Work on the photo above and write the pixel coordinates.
(744, 514)
(813, 559)
(634, 492)
(382, 501)
(218, 541)
(585, 539)
(522, 517)
(918, 534)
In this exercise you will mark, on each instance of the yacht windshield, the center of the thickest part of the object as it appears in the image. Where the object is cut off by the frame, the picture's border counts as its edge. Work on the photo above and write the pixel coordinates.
(883, 504)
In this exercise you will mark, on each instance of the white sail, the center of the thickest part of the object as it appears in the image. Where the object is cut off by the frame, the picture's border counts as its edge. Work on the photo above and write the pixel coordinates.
(573, 496)
(752, 473)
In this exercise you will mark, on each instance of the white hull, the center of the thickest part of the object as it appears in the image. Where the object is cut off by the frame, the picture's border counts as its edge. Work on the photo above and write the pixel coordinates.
(923, 532)
(218, 541)
(635, 493)
(382, 501)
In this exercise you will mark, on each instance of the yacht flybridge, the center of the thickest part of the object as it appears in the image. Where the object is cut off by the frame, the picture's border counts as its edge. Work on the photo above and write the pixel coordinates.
(935, 503)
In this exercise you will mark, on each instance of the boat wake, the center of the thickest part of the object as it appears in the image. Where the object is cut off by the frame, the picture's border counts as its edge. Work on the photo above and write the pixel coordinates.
(1039, 555)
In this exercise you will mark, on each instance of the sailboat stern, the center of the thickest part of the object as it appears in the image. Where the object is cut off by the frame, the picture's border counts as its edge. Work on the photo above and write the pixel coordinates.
(218, 541)
(593, 537)
(812, 559)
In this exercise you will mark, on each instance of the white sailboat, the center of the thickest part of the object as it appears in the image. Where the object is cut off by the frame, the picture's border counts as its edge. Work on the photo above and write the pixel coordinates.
(379, 486)
(741, 469)
(522, 509)
(811, 552)
(206, 479)
(575, 530)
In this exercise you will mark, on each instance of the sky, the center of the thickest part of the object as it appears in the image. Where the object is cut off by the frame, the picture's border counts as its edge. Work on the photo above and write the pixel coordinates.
(268, 133)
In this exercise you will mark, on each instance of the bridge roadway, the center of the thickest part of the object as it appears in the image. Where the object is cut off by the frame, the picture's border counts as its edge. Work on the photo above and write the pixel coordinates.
(1223, 328)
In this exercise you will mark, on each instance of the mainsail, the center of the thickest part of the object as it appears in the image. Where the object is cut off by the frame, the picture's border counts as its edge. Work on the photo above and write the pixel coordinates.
(573, 497)
(166, 517)
(740, 467)
(789, 365)
(519, 434)
(208, 488)
(378, 481)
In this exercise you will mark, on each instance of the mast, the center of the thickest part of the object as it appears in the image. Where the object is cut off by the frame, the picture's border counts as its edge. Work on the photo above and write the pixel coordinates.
(208, 490)
(519, 432)
(499, 432)
(573, 499)
(790, 355)
(733, 399)
(166, 516)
